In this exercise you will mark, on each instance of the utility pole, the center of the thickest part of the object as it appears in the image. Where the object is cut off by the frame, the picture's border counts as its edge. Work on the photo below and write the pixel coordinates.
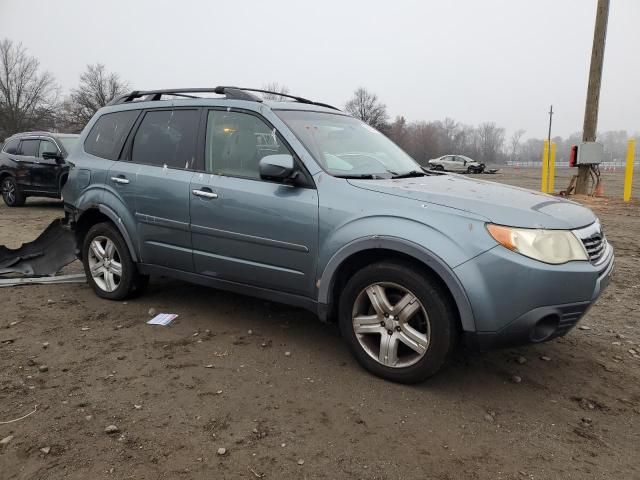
(593, 90)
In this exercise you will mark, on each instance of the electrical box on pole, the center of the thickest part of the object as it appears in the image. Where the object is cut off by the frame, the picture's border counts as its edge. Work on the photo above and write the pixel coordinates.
(589, 153)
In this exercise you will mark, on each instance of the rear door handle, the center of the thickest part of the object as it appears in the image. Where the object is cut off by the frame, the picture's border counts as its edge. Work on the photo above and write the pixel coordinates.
(204, 193)
(120, 180)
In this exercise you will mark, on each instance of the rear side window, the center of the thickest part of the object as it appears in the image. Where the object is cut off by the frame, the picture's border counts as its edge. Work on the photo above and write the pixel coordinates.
(29, 148)
(109, 133)
(11, 146)
(167, 138)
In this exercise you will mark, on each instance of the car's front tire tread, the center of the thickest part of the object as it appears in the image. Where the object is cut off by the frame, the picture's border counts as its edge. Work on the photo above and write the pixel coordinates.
(437, 303)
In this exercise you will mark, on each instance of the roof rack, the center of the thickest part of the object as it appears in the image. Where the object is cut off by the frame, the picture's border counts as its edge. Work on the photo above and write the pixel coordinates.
(231, 93)
(34, 133)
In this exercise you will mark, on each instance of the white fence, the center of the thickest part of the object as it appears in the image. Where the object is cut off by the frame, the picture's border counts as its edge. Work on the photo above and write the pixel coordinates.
(604, 166)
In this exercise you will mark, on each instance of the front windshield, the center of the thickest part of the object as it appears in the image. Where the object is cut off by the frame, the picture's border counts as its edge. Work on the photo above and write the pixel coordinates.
(68, 143)
(347, 147)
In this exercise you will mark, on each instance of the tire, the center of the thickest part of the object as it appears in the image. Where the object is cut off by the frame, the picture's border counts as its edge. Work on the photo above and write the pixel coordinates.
(428, 319)
(11, 193)
(439, 168)
(105, 281)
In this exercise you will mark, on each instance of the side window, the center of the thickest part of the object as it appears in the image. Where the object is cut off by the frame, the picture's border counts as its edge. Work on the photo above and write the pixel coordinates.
(236, 142)
(167, 137)
(108, 134)
(47, 147)
(29, 148)
(11, 146)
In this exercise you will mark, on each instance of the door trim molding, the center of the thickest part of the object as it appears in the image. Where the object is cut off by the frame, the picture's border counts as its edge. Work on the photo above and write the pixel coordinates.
(161, 222)
(215, 232)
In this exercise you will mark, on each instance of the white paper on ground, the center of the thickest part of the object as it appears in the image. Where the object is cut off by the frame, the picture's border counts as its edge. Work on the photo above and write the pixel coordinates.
(162, 319)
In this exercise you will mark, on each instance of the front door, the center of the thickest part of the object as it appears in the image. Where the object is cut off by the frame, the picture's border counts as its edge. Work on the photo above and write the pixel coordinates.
(245, 229)
(47, 175)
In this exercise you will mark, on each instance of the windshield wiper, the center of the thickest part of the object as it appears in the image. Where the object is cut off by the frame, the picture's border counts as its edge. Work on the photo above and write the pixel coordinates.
(412, 173)
(361, 176)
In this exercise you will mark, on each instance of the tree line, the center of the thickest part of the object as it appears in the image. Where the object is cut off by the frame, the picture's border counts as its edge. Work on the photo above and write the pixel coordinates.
(30, 99)
(486, 142)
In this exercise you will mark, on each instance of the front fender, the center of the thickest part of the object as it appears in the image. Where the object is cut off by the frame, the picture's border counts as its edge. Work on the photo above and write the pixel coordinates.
(420, 253)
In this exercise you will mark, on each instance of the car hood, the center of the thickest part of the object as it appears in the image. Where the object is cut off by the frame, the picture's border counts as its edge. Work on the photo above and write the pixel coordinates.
(498, 203)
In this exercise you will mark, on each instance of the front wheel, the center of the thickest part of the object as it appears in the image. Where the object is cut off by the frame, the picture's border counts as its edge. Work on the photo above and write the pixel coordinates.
(397, 321)
(439, 168)
(108, 265)
(11, 193)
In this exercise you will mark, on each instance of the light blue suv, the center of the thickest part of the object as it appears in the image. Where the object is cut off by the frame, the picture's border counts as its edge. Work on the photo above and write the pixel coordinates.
(299, 203)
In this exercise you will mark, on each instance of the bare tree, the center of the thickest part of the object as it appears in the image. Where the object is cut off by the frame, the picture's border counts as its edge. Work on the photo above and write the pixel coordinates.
(366, 106)
(398, 131)
(275, 87)
(490, 140)
(515, 142)
(27, 97)
(423, 142)
(96, 89)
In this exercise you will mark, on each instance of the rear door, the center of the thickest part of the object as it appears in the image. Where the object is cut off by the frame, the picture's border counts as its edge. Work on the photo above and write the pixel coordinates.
(162, 153)
(245, 229)
(448, 163)
(27, 156)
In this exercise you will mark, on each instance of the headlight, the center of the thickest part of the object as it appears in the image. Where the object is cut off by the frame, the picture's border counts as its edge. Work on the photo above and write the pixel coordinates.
(549, 246)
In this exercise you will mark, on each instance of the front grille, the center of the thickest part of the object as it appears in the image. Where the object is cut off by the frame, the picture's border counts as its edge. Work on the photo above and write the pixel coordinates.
(594, 241)
(595, 246)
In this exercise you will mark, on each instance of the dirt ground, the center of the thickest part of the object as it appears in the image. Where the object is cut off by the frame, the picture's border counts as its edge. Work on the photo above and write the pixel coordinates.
(280, 392)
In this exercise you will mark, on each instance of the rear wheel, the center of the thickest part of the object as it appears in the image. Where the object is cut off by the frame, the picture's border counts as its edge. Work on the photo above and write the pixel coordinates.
(108, 264)
(11, 193)
(398, 322)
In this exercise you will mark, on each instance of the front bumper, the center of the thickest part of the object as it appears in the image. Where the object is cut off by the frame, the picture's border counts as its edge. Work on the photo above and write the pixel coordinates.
(518, 301)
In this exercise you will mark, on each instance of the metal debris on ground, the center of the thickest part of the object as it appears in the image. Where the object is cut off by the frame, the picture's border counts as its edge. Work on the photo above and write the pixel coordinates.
(46, 255)
(16, 281)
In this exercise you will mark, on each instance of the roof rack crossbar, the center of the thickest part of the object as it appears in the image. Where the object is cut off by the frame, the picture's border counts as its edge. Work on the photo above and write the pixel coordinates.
(231, 93)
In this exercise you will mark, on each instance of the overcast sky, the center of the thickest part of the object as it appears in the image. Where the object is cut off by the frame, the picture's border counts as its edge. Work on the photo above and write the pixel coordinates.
(472, 60)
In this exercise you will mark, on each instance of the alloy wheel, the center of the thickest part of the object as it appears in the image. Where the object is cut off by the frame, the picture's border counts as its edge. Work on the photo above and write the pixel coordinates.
(9, 191)
(104, 263)
(391, 324)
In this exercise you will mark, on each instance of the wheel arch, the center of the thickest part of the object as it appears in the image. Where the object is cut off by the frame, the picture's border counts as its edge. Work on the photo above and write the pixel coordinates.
(365, 251)
(98, 214)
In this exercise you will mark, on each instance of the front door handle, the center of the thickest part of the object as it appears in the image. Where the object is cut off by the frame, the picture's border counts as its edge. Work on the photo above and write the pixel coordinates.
(204, 194)
(120, 180)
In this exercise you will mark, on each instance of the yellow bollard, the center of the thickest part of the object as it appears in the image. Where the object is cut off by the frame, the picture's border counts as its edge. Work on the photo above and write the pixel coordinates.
(628, 173)
(552, 168)
(545, 167)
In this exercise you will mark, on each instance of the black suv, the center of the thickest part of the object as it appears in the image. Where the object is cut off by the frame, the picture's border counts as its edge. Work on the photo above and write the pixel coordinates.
(32, 164)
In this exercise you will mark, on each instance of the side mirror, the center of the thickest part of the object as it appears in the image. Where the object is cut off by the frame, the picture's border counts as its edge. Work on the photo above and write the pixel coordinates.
(465, 162)
(277, 167)
(53, 156)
